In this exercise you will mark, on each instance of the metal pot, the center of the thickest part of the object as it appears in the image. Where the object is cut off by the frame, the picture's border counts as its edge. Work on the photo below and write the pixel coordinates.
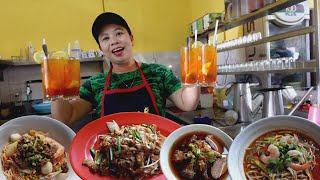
(272, 102)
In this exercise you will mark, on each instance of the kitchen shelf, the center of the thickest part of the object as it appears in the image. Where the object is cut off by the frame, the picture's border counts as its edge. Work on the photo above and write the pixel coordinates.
(300, 66)
(32, 63)
(266, 10)
(302, 31)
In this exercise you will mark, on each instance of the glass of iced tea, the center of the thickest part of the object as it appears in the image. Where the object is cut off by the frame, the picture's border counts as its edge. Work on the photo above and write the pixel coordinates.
(208, 72)
(60, 77)
(71, 83)
(194, 64)
(184, 63)
(52, 79)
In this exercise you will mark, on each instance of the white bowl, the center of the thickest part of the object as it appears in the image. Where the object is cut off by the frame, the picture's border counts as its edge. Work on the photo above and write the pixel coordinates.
(256, 129)
(56, 130)
(166, 146)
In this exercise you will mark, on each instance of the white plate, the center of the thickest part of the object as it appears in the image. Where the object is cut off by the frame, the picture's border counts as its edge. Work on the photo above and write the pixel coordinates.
(165, 149)
(56, 130)
(253, 131)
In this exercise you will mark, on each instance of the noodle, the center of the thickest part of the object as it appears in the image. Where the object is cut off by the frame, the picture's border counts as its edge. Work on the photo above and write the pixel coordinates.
(281, 154)
(130, 151)
(33, 156)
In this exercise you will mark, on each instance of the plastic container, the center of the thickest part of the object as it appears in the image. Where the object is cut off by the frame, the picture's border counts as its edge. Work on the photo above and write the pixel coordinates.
(76, 51)
(31, 51)
(42, 108)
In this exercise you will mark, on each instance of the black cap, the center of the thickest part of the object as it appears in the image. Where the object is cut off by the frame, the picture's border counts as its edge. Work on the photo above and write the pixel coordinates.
(105, 19)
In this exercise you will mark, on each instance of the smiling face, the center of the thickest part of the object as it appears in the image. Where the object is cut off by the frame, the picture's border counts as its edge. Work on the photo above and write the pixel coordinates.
(116, 44)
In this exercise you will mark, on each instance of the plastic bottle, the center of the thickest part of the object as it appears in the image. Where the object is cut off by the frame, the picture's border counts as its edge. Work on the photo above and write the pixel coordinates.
(76, 51)
(30, 51)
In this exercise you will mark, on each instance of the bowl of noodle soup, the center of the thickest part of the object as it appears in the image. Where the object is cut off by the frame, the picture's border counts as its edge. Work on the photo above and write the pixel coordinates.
(45, 128)
(196, 151)
(279, 147)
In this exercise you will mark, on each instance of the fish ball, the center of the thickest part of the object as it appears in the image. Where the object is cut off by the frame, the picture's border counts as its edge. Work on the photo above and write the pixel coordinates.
(46, 168)
(15, 137)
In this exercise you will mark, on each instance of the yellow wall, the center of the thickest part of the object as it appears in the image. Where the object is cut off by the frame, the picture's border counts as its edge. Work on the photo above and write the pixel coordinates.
(59, 21)
(156, 25)
(161, 25)
(200, 8)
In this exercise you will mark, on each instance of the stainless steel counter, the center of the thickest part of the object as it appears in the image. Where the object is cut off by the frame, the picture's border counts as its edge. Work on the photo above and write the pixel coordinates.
(216, 117)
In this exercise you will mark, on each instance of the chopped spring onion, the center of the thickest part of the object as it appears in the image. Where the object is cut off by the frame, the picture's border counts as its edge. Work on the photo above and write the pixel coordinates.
(92, 152)
(119, 144)
(99, 159)
(132, 133)
(138, 135)
(147, 126)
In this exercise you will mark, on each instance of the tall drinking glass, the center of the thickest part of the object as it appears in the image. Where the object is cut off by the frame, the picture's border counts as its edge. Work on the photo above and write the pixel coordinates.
(184, 63)
(60, 77)
(71, 85)
(192, 77)
(208, 73)
(52, 79)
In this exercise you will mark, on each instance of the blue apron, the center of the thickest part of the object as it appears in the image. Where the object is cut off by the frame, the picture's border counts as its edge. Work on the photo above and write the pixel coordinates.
(133, 99)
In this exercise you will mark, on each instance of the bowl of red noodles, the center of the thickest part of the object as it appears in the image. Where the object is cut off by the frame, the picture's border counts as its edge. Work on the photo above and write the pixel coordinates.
(280, 147)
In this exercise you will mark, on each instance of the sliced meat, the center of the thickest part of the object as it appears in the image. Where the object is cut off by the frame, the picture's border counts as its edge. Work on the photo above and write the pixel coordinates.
(213, 143)
(219, 167)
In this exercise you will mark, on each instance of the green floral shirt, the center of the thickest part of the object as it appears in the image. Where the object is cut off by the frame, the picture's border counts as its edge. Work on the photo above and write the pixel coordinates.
(161, 80)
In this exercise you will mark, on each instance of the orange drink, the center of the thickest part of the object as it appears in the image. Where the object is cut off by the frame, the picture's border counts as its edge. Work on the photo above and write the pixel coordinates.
(208, 74)
(60, 75)
(184, 62)
(71, 83)
(52, 78)
(194, 65)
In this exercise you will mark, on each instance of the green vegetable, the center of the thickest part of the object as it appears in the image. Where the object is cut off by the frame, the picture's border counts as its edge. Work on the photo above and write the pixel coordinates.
(138, 135)
(99, 159)
(147, 126)
(275, 166)
(93, 152)
(119, 144)
(133, 133)
(193, 160)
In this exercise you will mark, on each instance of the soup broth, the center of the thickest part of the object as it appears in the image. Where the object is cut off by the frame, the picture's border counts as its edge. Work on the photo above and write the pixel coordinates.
(282, 154)
(198, 155)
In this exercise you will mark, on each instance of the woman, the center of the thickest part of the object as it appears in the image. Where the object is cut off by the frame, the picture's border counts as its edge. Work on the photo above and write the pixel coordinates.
(128, 85)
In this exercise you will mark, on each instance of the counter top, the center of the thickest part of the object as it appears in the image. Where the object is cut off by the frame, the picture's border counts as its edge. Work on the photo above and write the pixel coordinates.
(216, 116)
